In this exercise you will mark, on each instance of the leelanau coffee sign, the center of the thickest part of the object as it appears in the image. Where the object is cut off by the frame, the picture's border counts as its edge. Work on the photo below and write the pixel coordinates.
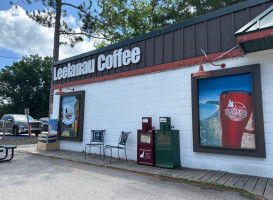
(117, 59)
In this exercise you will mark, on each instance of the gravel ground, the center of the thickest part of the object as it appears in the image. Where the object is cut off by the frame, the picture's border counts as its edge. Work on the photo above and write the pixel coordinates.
(19, 140)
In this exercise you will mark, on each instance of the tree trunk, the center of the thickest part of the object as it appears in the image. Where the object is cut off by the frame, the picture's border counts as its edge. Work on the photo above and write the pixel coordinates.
(153, 5)
(55, 49)
(57, 30)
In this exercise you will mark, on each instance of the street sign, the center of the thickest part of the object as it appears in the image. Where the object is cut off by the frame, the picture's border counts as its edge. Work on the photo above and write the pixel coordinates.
(26, 111)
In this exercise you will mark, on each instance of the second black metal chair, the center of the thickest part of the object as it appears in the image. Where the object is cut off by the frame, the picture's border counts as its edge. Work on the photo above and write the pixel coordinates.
(97, 140)
(121, 145)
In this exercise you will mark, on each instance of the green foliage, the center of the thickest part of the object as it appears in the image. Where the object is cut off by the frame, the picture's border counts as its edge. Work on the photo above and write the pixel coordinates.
(118, 20)
(101, 44)
(205, 6)
(26, 84)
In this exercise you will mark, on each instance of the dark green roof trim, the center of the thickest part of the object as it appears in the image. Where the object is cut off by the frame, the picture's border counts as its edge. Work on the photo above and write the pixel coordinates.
(258, 45)
(244, 29)
(173, 27)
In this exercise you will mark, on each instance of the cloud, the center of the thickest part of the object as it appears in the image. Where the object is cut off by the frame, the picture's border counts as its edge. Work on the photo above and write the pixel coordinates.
(23, 36)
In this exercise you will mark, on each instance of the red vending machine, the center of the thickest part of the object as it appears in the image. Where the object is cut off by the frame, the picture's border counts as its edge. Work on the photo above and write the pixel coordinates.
(145, 143)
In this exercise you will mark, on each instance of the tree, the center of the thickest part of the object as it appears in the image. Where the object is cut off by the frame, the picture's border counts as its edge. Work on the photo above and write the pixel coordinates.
(26, 84)
(52, 15)
(117, 20)
(204, 6)
(52, 18)
(125, 19)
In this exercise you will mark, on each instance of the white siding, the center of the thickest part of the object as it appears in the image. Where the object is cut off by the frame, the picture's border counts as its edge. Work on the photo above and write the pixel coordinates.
(118, 105)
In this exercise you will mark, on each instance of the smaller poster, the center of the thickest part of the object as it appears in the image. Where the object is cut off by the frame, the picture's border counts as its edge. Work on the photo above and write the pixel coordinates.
(71, 116)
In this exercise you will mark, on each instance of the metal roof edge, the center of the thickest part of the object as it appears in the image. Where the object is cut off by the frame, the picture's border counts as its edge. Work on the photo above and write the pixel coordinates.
(249, 24)
(255, 31)
(211, 15)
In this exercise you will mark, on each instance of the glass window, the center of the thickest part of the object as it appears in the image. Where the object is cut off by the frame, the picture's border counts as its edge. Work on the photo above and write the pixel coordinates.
(145, 138)
(7, 117)
(22, 117)
(254, 27)
(262, 23)
(44, 120)
(163, 138)
(267, 21)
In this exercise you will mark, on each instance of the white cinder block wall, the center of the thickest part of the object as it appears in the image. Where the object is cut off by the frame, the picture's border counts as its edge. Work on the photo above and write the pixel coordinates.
(118, 105)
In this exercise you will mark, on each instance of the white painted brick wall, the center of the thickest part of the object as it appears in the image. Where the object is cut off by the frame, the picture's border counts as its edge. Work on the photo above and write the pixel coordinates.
(118, 105)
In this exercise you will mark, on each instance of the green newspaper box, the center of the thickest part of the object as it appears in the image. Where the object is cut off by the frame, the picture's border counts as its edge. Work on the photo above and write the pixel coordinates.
(167, 147)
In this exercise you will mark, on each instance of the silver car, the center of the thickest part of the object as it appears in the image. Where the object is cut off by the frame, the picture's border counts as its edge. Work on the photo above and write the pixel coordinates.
(16, 124)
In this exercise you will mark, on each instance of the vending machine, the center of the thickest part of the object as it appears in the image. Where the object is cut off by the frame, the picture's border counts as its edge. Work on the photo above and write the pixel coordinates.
(145, 143)
(167, 147)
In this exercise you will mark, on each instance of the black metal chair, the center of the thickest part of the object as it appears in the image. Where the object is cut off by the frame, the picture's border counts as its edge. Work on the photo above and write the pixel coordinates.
(97, 140)
(121, 145)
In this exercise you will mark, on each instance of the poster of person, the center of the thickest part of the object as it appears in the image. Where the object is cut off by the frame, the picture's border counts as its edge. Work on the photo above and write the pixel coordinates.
(69, 116)
(226, 112)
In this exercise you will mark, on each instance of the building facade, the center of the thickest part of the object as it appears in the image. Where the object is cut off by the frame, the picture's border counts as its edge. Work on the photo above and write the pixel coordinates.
(153, 76)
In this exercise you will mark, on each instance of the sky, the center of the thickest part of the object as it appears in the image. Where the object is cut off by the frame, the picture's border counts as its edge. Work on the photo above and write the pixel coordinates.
(20, 35)
(210, 89)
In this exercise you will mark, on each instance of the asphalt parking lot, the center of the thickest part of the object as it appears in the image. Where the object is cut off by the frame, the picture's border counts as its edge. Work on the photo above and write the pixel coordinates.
(29, 177)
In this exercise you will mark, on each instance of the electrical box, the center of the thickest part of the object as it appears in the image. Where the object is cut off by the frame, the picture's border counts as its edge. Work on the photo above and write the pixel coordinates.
(145, 143)
(167, 146)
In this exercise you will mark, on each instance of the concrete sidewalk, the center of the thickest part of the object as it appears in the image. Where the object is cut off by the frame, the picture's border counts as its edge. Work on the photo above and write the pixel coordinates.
(256, 185)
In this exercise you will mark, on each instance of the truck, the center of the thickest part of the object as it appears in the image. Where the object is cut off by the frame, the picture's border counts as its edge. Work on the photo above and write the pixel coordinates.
(17, 124)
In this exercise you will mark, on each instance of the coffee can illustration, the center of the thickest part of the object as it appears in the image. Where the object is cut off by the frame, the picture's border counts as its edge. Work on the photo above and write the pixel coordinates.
(235, 109)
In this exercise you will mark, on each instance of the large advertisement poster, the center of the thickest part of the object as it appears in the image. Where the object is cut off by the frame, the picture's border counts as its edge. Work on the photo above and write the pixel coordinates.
(71, 116)
(227, 112)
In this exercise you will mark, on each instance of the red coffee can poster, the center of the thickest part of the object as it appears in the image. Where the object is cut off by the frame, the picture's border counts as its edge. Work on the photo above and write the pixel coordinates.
(226, 112)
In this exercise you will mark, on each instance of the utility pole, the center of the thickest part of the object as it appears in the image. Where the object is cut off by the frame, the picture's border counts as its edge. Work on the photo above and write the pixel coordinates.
(28, 126)
(4, 128)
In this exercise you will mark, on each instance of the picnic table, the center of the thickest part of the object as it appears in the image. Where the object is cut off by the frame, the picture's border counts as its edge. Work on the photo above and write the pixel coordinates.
(7, 148)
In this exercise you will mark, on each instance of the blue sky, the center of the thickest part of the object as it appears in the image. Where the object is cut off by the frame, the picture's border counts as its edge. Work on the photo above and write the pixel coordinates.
(22, 36)
(210, 89)
(5, 5)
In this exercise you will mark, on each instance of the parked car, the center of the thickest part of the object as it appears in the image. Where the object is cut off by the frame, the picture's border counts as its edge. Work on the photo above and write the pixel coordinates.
(16, 124)
(45, 122)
